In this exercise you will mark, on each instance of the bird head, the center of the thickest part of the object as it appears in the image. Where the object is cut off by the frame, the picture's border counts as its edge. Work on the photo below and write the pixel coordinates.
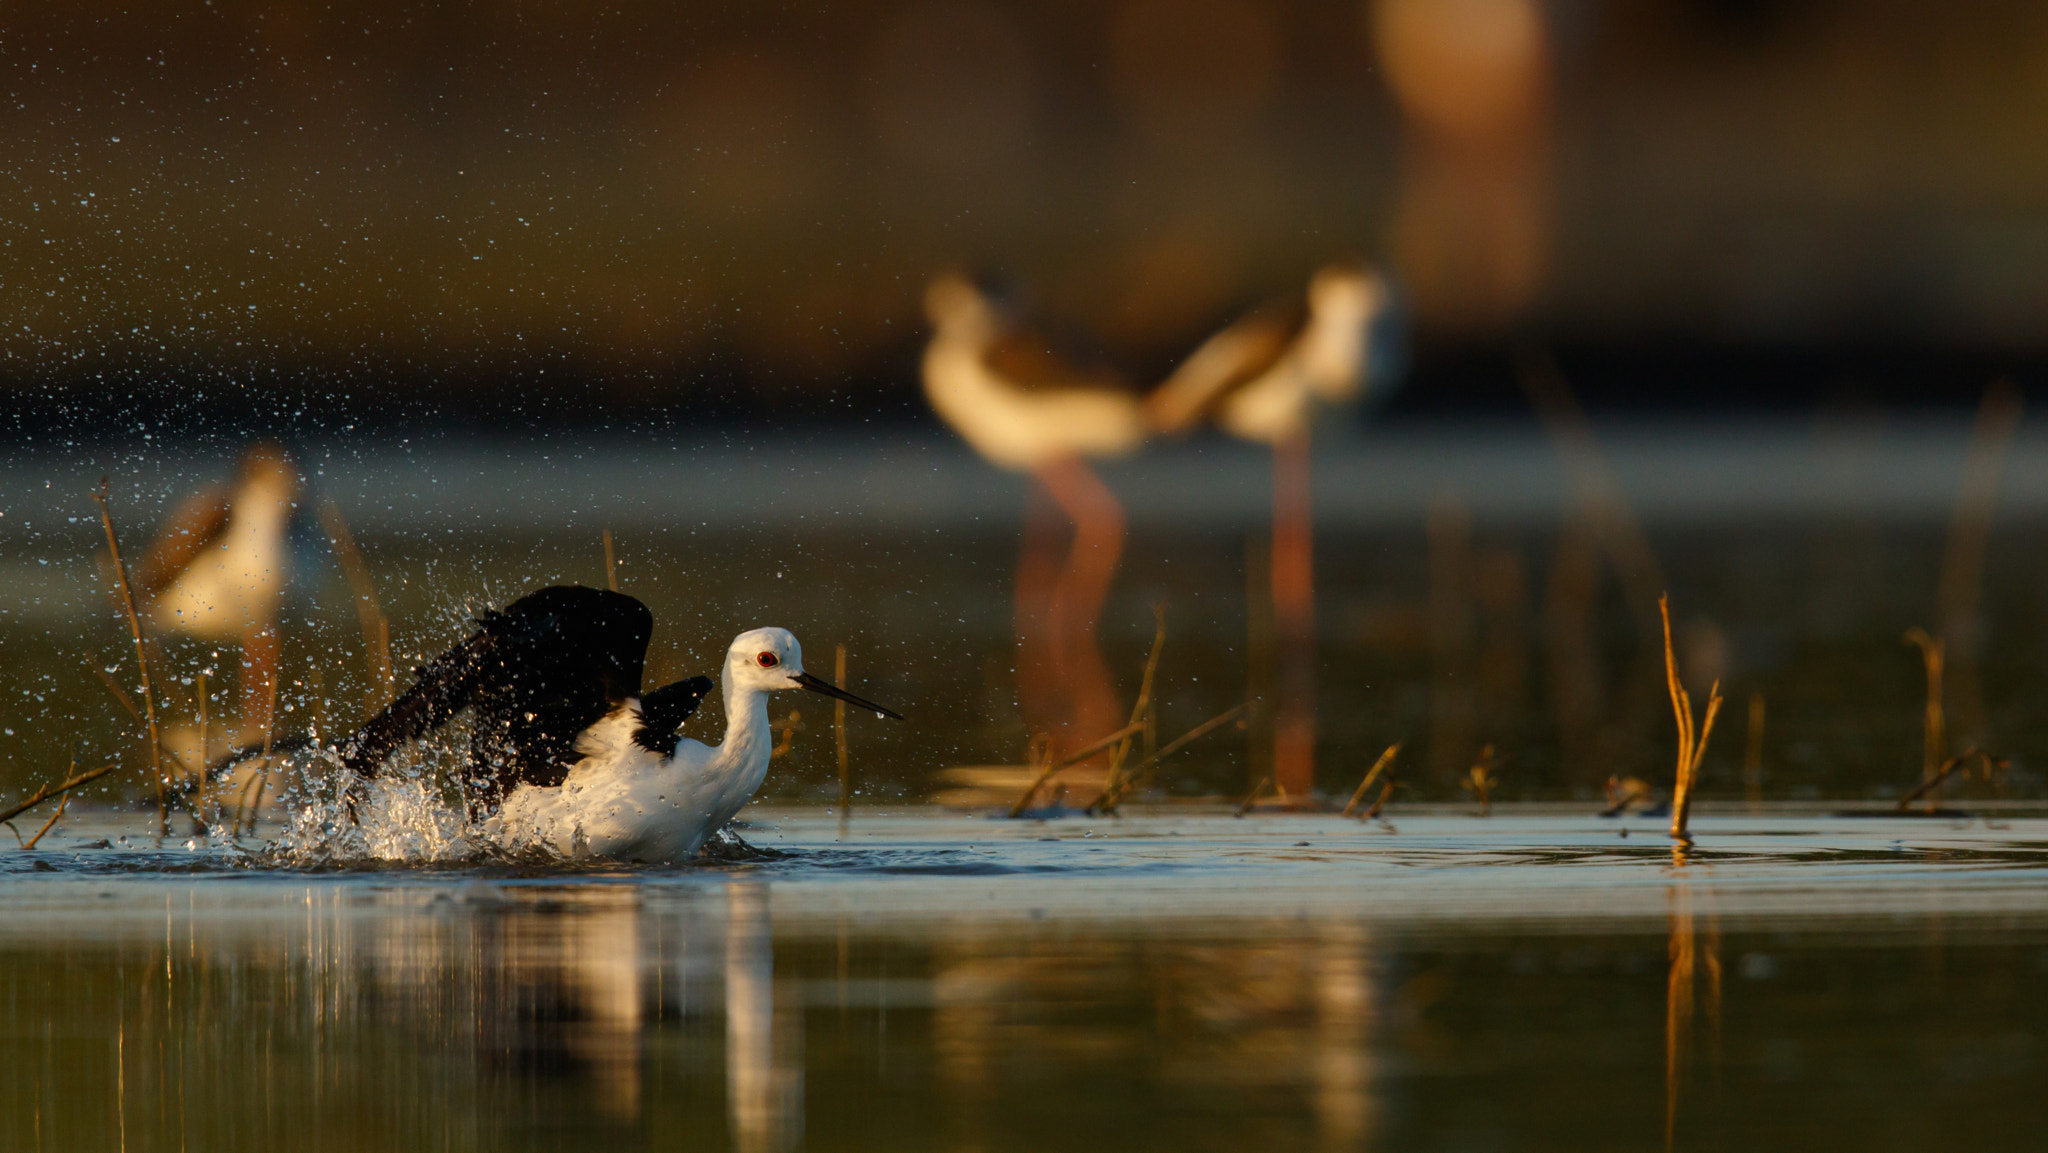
(772, 660)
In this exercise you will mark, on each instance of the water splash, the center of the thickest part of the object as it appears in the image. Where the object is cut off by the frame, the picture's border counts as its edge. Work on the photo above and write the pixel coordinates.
(414, 813)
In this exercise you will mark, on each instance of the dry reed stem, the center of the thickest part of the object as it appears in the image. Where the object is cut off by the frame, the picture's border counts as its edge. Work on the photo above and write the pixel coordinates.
(1131, 779)
(1934, 724)
(1481, 779)
(1379, 766)
(63, 804)
(120, 694)
(1932, 785)
(1142, 712)
(790, 726)
(1073, 758)
(207, 797)
(1380, 802)
(376, 629)
(269, 732)
(1252, 798)
(1598, 489)
(156, 758)
(1960, 585)
(611, 567)
(839, 739)
(48, 791)
(1753, 753)
(1678, 1006)
(1692, 733)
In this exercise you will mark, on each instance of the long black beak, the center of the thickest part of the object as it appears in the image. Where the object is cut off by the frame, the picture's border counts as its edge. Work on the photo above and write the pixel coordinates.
(831, 690)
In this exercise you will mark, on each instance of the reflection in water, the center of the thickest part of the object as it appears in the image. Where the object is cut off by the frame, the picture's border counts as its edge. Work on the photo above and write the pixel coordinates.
(695, 1013)
(1688, 957)
(764, 1075)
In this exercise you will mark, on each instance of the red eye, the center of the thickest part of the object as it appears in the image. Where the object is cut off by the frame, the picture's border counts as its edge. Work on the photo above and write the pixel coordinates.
(768, 660)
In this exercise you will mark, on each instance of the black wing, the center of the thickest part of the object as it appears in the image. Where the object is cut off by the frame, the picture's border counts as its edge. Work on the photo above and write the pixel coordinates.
(537, 674)
(664, 710)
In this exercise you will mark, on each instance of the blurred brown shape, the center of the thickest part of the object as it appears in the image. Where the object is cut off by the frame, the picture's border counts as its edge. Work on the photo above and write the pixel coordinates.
(953, 89)
(1025, 408)
(1471, 231)
(218, 570)
(1186, 69)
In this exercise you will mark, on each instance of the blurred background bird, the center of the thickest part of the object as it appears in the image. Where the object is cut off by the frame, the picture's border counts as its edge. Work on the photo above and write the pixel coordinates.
(1027, 407)
(218, 569)
(1265, 378)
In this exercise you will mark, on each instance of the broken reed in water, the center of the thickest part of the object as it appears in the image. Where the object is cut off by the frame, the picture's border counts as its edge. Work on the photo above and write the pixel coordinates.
(1385, 762)
(1130, 781)
(1482, 778)
(1934, 723)
(1142, 714)
(48, 791)
(1692, 733)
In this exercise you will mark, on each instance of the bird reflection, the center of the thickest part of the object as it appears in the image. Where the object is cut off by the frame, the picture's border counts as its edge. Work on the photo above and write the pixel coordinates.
(764, 1075)
(1298, 1014)
(574, 992)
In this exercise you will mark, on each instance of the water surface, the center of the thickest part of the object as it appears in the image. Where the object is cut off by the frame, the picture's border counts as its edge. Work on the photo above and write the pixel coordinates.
(1166, 981)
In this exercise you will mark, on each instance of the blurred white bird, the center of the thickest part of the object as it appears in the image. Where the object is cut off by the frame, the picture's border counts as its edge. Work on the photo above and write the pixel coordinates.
(219, 567)
(1264, 378)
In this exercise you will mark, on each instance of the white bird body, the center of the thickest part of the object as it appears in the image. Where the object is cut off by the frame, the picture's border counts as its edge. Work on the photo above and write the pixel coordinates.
(1261, 377)
(623, 801)
(626, 802)
(222, 566)
(1019, 416)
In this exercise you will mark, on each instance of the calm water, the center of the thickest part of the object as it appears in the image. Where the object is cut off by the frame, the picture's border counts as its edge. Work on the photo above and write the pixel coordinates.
(1167, 981)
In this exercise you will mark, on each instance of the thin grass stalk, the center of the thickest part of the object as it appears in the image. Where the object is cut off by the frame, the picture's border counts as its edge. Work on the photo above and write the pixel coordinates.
(1692, 734)
(263, 778)
(1678, 1006)
(1142, 712)
(48, 791)
(1252, 798)
(611, 565)
(1380, 802)
(156, 758)
(63, 803)
(1753, 754)
(1934, 722)
(376, 629)
(1959, 590)
(1930, 787)
(839, 740)
(1131, 779)
(1379, 766)
(207, 797)
(120, 694)
(1073, 758)
(1151, 717)
(242, 801)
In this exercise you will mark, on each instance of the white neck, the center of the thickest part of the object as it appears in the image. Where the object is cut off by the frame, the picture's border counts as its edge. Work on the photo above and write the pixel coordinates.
(749, 740)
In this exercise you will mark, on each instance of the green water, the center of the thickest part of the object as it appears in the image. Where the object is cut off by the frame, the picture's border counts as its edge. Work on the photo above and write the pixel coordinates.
(1164, 982)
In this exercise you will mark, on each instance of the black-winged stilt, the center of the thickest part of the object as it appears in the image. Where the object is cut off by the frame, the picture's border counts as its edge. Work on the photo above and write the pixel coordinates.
(218, 570)
(1262, 379)
(1025, 408)
(565, 746)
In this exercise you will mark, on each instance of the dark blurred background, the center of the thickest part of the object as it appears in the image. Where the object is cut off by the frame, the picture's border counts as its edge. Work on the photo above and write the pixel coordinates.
(477, 209)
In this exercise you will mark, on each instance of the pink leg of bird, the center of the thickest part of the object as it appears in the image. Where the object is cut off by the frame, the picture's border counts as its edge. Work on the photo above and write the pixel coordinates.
(1294, 620)
(1039, 694)
(1093, 709)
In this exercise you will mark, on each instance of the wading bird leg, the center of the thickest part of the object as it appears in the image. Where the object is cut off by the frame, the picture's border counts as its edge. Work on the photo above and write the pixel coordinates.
(1083, 588)
(1294, 619)
(1040, 697)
